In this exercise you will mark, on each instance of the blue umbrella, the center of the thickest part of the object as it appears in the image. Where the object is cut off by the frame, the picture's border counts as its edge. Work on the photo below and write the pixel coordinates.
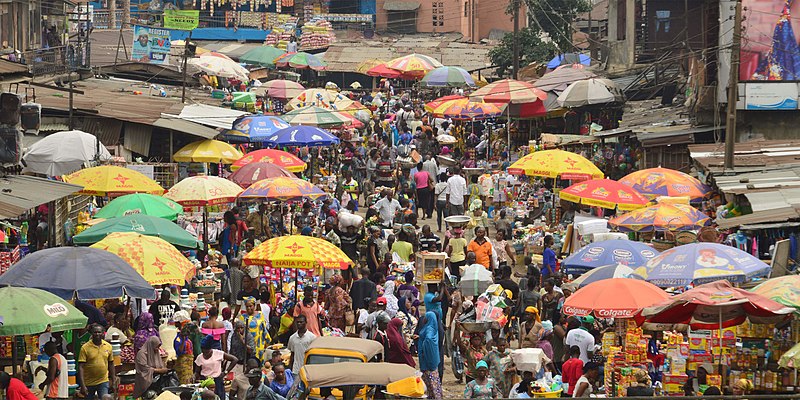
(78, 272)
(603, 273)
(254, 128)
(608, 252)
(699, 263)
(569, 58)
(301, 136)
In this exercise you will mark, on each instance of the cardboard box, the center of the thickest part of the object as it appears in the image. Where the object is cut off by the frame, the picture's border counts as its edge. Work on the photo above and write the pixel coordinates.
(678, 379)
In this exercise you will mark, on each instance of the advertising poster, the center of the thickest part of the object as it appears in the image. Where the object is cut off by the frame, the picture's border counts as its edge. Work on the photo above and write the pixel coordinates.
(184, 20)
(150, 45)
(769, 42)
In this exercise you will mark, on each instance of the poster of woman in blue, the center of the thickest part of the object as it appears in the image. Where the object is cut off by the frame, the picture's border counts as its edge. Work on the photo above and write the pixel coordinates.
(775, 58)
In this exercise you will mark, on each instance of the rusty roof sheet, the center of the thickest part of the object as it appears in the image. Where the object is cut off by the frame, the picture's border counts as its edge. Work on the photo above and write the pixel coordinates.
(10, 67)
(751, 156)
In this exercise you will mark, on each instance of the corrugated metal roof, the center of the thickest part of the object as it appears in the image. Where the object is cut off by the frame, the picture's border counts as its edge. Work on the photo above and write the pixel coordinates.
(137, 138)
(770, 206)
(756, 155)
(399, 5)
(20, 193)
(758, 181)
(10, 67)
(186, 127)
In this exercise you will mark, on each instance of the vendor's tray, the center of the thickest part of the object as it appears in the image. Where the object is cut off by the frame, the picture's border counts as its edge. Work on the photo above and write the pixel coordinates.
(457, 221)
(476, 327)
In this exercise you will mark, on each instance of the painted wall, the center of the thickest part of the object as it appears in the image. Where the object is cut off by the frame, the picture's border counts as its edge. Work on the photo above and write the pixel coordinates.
(445, 16)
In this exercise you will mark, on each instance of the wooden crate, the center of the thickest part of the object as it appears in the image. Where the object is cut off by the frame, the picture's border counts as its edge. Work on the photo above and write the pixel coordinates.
(430, 266)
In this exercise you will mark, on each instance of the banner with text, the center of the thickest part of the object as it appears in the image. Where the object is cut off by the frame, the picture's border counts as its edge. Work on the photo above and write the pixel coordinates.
(150, 45)
(184, 20)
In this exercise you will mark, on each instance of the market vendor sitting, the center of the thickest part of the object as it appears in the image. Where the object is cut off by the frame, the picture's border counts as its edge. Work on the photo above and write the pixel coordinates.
(643, 387)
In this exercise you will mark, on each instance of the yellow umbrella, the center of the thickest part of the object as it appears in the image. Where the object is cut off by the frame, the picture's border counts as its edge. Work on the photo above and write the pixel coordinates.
(107, 180)
(297, 251)
(556, 164)
(368, 64)
(203, 190)
(208, 151)
(157, 261)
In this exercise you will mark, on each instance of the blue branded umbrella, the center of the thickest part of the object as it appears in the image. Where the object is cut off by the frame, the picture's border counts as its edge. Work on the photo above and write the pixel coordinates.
(253, 129)
(603, 273)
(569, 58)
(81, 273)
(301, 135)
(608, 252)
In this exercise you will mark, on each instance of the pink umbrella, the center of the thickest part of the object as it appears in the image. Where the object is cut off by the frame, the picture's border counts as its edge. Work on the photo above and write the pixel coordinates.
(254, 172)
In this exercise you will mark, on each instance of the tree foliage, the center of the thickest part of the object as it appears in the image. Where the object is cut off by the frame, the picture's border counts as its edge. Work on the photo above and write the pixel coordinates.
(532, 48)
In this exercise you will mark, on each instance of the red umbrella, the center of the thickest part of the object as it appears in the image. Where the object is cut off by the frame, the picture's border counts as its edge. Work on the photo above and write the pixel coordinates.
(717, 305)
(383, 71)
(613, 298)
(251, 173)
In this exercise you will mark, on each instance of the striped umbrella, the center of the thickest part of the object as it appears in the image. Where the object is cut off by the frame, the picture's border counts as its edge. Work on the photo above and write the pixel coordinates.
(509, 91)
(590, 91)
(273, 156)
(416, 65)
(382, 71)
(315, 97)
(284, 189)
(448, 77)
(279, 89)
(465, 109)
(301, 60)
(264, 56)
(432, 105)
(315, 116)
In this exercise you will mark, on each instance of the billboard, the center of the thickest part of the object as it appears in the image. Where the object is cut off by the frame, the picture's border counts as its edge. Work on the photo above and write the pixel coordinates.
(150, 45)
(769, 42)
(184, 20)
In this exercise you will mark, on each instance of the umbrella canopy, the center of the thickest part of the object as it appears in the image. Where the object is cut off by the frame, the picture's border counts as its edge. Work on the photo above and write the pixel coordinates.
(368, 64)
(78, 272)
(208, 151)
(220, 65)
(256, 171)
(432, 105)
(567, 59)
(315, 116)
(355, 85)
(784, 290)
(296, 251)
(301, 60)
(254, 128)
(159, 262)
(279, 89)
(555, 164)
(557, 81)
(608, 252)
(63, 153)
(475, 280)
(107, 180)
(589, 92)
(602, 273)
(698, 263)
(448, 77)
(717, 305)
(278, 157)
(604, 193)
(382, 71)
(665, 182)
(509, 91)
(302, 136)
(315, 97)
(613, 298)
(414, 65)
(790, 359)
(661, 217)
(28, 311)
(203, 190)
(284, 189)
(141, 204)
(464, 109)
(143, 224)
(264, 56)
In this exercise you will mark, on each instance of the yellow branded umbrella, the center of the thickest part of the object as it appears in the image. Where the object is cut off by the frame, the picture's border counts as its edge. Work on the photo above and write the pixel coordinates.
(208, 151)
(368, 64)
(556, 164)
(107, 180)
(203, 190)
(304, 252)
(157, 261)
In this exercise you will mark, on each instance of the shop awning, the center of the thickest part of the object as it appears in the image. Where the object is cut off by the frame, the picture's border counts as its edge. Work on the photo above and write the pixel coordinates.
(189, 127)
(399, 5)
(20, 193)
(214, 117)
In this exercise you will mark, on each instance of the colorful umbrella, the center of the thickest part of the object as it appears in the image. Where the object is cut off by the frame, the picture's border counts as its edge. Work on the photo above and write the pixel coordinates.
(415, 65)
(569, 58)
(78, 273)
(382, 71)
(301, 60)
(257, 171)
(203, 190)
(304, 252)
(448, 77)
(284, 189)
(315, 97)
(366, 65)
(315, 116)
(303, 136)
(143, 224)
(107, 180)
(784, 290)
(430, 106)
(208, 151)
(141, 204)
(555, 164)
(278, 157)
(608, 252)
(665, 182)
(263, 56)
(589, 92)
(28, 311)
(254, 128)
(661, 217)
(509, 91)
(604, 193)
(613, 298)
(601, 274)
(717, 305)
(698, 263)
(220, 65)
(279, 89)
(464, 109)
(159, 262)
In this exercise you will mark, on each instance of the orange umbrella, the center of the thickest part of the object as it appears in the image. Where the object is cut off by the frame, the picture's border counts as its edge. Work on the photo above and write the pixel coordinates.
(614, 298)
(604, 193)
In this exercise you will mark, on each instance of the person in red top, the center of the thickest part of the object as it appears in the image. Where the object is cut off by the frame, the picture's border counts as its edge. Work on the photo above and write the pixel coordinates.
(14, 388)
(572, 369)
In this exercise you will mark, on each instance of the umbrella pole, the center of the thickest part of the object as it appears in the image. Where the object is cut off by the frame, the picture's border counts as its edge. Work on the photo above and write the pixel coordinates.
(205, 233)
(720, 342)
(14, 355)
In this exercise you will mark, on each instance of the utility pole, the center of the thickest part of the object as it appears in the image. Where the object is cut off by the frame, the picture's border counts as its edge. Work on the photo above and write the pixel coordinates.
(515, 68)
(733, 81)
(185, 60)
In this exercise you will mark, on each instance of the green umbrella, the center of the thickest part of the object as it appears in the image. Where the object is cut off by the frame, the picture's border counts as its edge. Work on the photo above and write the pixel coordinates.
(263, 56)
(27, 311)
(141, 203)
(144, 224)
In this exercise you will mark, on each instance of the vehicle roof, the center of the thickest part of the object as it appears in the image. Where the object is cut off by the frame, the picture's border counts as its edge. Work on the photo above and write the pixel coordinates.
(354, 373)
(368, 348)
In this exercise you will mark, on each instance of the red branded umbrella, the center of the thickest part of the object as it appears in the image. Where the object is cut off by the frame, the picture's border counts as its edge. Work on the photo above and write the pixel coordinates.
(251, 173)
(613, 298)
(383, 71)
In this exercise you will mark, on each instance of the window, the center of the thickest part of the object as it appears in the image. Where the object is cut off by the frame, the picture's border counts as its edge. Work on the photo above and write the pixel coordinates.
(466, 9)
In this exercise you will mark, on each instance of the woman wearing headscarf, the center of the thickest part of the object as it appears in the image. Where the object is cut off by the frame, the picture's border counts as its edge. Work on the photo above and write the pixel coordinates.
(338, 302)
(379, 334)
(398, 352)
(391, 298)
(429, 355)
(407, 289)
(408, 320)
(483, 386)
(545, 336)
(148, 365)
(184, 350)
(146, 330)
(256, 323)
(530, 327)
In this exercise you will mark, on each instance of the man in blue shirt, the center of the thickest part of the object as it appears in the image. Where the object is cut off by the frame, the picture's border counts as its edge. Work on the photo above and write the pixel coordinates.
(548, 258)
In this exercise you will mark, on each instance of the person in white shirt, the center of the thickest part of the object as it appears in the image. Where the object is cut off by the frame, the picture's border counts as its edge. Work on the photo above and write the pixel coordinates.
(291, 47)
(577, 336)
(440, 191)
(299, 343)
(456, 192)
(430, 166)
(387, 207)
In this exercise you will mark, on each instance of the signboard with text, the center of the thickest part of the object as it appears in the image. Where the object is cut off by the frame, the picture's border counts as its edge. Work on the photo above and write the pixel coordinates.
(184, 20)
(150, 45)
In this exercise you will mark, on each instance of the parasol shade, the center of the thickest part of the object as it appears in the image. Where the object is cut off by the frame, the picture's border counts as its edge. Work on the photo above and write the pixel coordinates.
(555, 164)
(608, 252)
(304, 252)
(278, 157)
(141, 203)
(29, 311)
(613, 298)
(654, 182)
(108, 180)
(143, 224)
(604, 193)
(64, 153)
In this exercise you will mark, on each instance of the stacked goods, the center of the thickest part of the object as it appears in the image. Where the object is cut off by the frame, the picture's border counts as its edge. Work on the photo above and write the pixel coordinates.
(280, 36)
(317, 33)
(677, 351)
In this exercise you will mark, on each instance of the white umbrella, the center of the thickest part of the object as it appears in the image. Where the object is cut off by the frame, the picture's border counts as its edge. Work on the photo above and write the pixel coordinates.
(590, 91)
(63, 153)
(213, 64)
(475, 280)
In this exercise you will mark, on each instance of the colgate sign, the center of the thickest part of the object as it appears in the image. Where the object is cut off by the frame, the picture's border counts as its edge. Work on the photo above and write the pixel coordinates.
(570, 310)
(614, 313)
